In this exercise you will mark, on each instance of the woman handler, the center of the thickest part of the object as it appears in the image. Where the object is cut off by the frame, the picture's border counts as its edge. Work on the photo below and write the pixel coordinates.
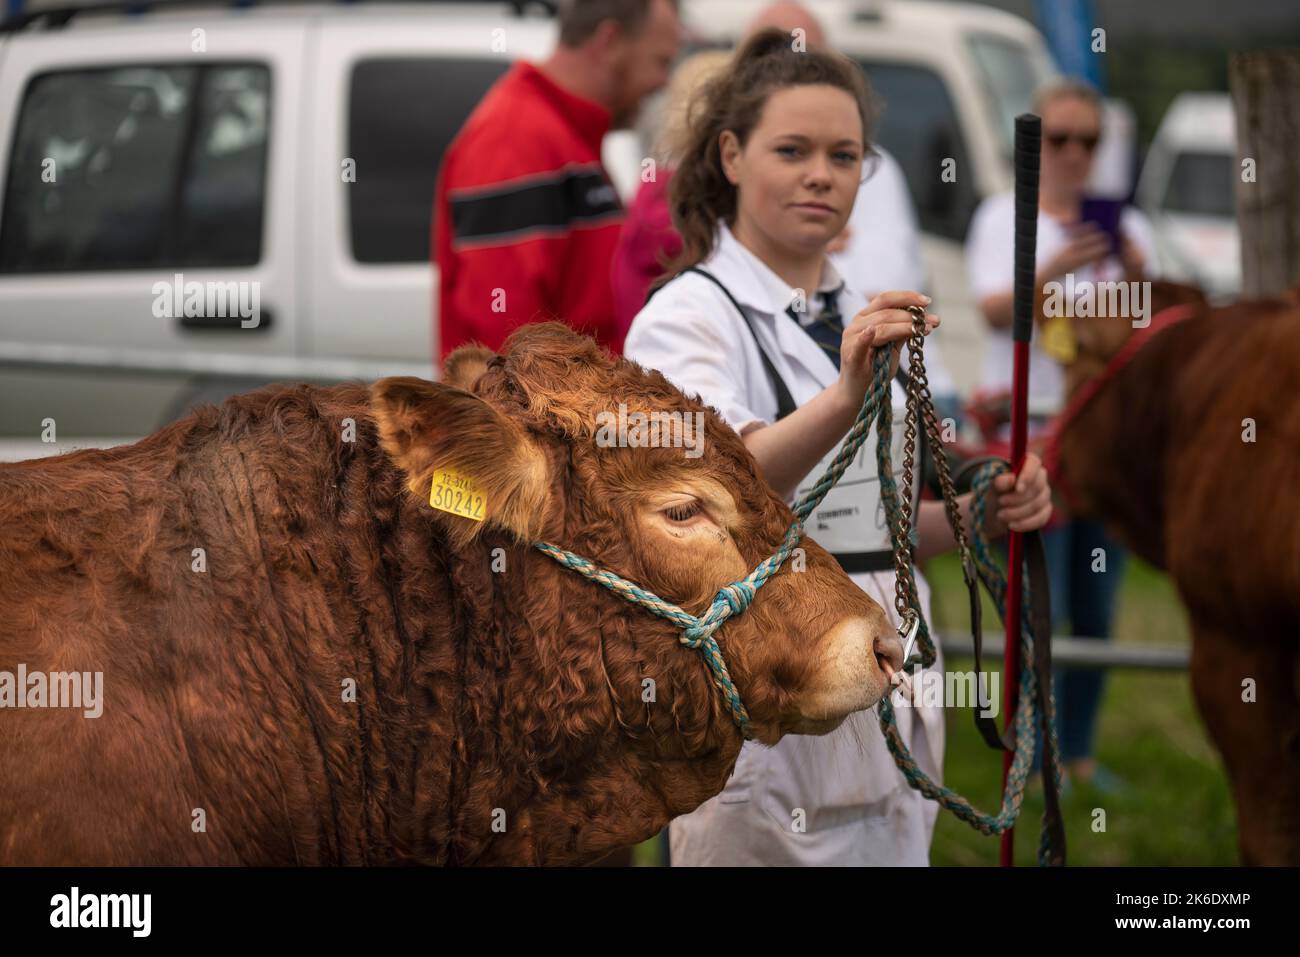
(773, 161)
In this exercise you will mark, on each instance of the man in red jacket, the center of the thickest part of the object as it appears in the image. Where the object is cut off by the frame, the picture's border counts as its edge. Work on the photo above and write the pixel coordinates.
(525, 217)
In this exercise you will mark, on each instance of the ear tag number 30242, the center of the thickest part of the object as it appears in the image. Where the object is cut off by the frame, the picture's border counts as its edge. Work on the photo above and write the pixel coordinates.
(457, 494)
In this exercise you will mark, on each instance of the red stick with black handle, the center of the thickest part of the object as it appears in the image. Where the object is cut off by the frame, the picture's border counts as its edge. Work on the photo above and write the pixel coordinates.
(1029, 138)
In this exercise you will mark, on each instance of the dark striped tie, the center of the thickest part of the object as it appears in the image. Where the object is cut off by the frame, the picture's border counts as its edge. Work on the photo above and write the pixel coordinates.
(827, 329)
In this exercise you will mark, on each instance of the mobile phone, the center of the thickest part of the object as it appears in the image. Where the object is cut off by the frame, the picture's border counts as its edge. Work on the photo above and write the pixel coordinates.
(1105, 215)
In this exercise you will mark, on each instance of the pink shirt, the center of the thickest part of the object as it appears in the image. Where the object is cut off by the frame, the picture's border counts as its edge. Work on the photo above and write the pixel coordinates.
(648, 238)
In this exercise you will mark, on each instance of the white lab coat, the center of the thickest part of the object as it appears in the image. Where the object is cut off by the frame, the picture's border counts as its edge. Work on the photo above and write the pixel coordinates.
(856, 806)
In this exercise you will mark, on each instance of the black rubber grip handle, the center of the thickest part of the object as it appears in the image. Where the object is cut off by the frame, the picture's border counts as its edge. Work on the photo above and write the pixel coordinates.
(1029, 139)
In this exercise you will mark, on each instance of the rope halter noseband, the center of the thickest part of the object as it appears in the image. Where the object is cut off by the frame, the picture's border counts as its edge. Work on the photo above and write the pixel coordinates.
(697, 633)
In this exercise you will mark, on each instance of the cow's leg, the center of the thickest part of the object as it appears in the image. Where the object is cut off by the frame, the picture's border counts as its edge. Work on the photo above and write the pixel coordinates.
(1260, 739)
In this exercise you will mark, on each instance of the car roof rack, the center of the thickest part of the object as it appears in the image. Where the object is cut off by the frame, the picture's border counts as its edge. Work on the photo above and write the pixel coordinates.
(53, 18)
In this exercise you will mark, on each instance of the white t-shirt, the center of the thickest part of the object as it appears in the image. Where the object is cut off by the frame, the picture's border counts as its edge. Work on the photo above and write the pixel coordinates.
(990, 263)
(884, 252)
(884, 248)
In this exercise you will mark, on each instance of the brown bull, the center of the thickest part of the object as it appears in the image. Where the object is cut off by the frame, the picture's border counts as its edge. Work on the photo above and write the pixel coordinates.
(344, 674)
(1192, 450)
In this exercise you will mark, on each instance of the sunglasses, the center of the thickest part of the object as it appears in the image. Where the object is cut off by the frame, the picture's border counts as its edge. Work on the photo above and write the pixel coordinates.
(1057, 140)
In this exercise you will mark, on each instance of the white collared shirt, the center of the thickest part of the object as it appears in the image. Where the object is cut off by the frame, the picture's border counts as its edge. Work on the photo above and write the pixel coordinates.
(859, 809)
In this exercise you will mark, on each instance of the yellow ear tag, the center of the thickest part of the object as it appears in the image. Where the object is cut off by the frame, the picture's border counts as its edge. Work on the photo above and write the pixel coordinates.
(1057, 339)
(456, 493)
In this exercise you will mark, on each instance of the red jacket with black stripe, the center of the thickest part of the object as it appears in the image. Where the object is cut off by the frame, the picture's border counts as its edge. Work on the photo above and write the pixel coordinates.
(525, 219)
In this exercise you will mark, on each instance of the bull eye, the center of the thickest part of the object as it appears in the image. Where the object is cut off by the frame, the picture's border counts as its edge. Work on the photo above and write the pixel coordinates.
(683, 513)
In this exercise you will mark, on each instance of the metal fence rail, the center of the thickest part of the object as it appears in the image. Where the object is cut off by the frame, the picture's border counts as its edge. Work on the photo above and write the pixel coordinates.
(1079, 652)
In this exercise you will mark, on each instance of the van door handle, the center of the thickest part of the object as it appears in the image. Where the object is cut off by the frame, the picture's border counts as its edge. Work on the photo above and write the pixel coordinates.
(226, 323)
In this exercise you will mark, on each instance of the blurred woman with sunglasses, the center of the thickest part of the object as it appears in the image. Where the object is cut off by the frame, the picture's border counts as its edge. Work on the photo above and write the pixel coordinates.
(1068, 243)
(1089, 241)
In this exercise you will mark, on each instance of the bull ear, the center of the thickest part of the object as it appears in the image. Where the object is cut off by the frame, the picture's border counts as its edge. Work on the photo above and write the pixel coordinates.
(429, 427)
(465, 364)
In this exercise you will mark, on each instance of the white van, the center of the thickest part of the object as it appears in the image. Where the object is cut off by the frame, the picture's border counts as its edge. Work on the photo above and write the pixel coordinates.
(213, 148)
(1186, 187)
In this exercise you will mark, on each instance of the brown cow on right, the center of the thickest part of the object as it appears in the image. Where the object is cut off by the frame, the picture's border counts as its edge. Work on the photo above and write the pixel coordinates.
(1191, 449)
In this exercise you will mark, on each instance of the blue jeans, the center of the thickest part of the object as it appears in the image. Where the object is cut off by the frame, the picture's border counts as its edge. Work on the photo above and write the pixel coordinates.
(1083, 605)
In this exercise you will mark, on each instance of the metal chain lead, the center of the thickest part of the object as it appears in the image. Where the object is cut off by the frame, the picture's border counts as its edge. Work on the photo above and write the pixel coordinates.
(903, 555)
(920, 404)
(921, 389)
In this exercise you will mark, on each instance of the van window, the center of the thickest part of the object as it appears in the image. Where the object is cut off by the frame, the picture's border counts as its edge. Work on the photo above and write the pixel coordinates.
(1011, 77)
(402, 115)
(137, 167)
(1201, 184)
(919, 126)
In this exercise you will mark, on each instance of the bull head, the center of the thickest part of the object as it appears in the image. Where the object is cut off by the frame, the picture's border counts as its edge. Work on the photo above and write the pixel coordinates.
(616, 723)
